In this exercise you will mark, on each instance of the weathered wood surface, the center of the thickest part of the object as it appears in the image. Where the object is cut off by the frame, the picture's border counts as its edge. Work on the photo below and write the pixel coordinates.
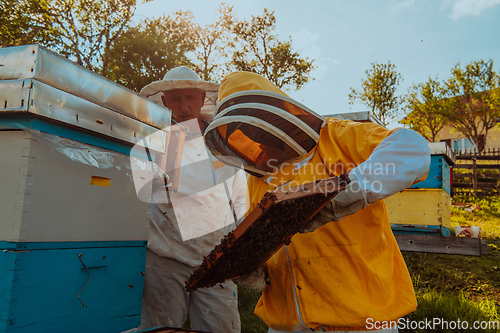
(440, 244)
(420, 207)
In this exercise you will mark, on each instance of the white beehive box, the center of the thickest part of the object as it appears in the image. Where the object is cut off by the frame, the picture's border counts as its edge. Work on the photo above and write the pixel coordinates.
(46, 196)
(72, 181)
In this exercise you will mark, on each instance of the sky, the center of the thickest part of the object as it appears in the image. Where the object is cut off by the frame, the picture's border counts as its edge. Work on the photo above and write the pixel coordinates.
(423, 38)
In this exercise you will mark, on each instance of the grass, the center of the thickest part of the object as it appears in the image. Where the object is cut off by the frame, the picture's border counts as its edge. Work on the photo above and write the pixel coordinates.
(250, 323)
(438, 308)
(460, 287)
(477, 277)
(488, 218)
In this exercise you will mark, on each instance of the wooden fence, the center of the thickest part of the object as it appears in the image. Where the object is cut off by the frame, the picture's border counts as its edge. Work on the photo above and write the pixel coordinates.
(477, 173)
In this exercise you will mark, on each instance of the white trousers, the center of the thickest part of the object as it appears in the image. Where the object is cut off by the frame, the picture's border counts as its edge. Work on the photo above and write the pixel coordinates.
(165, 301)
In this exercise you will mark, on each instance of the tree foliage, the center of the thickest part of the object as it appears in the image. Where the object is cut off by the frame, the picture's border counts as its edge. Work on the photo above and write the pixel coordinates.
(424, 105)
(378, 91)
(214, 44)
(26, 22)
(82, 30)
(98, 35)
(146, 52)
(473, 102)
(261, 52)
(89, 27)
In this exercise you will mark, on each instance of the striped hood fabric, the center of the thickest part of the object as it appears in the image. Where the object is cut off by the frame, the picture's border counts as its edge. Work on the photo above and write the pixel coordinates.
(258, 127)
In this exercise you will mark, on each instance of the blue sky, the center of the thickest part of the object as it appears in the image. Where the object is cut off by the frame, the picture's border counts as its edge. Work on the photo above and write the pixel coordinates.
(422, 38)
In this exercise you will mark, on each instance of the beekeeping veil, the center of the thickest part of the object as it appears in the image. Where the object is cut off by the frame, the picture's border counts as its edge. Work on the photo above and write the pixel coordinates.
(258, 127)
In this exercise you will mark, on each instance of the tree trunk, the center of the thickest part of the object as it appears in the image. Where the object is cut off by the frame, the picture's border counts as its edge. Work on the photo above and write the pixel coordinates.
(481, 141)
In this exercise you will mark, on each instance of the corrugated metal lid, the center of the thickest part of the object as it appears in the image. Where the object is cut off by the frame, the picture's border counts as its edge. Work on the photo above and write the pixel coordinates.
(361, 116)
(38, 63)
(442, 148)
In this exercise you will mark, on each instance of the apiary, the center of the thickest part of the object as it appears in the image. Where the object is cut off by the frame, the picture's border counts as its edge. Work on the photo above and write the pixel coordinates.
(73, 231)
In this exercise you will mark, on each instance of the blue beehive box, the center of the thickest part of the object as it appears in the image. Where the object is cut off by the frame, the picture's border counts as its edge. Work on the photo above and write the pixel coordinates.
(71, 287)
(442, 161)
(73, 232)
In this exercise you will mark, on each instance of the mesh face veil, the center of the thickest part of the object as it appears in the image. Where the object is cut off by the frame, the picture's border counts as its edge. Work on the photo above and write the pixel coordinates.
(258, 127)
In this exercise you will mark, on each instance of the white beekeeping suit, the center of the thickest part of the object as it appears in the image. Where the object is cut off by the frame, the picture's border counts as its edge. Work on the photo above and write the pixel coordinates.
(188, 223)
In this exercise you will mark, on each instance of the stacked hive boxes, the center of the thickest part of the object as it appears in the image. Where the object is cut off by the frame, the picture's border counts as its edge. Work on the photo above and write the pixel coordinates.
(72, 229)
(425, 207)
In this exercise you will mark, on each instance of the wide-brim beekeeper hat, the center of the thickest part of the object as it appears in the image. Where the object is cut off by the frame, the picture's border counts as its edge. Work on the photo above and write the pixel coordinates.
(183, 78)
(258, 127)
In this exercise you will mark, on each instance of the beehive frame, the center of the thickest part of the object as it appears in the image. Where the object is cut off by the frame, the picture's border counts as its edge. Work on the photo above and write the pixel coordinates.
(278, 217)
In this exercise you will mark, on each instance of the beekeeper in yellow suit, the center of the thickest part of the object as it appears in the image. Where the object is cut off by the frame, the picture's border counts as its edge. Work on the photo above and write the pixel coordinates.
(345, 272)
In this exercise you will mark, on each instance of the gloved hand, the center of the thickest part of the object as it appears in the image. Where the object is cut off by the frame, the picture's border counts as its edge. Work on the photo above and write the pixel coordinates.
(255, 280)
(345, 203)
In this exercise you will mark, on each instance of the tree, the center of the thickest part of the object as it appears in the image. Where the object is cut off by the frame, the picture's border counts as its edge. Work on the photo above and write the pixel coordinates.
(214, 42)
(261, 52)
(146, 52)
(89, 27)
(473, 100)
(424, 105)
(379, 91)
(26, 22)
(82, 30)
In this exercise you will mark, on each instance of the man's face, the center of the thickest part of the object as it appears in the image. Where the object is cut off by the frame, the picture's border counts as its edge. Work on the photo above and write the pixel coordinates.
(185, 104)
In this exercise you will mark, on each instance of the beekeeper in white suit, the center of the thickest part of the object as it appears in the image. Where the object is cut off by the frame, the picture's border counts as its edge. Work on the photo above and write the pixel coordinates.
(187, 224)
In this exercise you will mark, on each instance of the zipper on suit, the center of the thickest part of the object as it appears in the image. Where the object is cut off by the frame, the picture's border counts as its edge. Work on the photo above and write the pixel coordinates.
(295, 298)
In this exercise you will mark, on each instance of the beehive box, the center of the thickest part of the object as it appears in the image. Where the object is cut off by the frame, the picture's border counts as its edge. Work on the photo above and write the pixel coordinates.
(48, 197)
(423, 211)
(442, 160)
(71, 287)
(72, 229)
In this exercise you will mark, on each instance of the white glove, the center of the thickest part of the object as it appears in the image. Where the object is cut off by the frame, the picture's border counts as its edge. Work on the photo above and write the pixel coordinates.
(255, 280)
(345, 203)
